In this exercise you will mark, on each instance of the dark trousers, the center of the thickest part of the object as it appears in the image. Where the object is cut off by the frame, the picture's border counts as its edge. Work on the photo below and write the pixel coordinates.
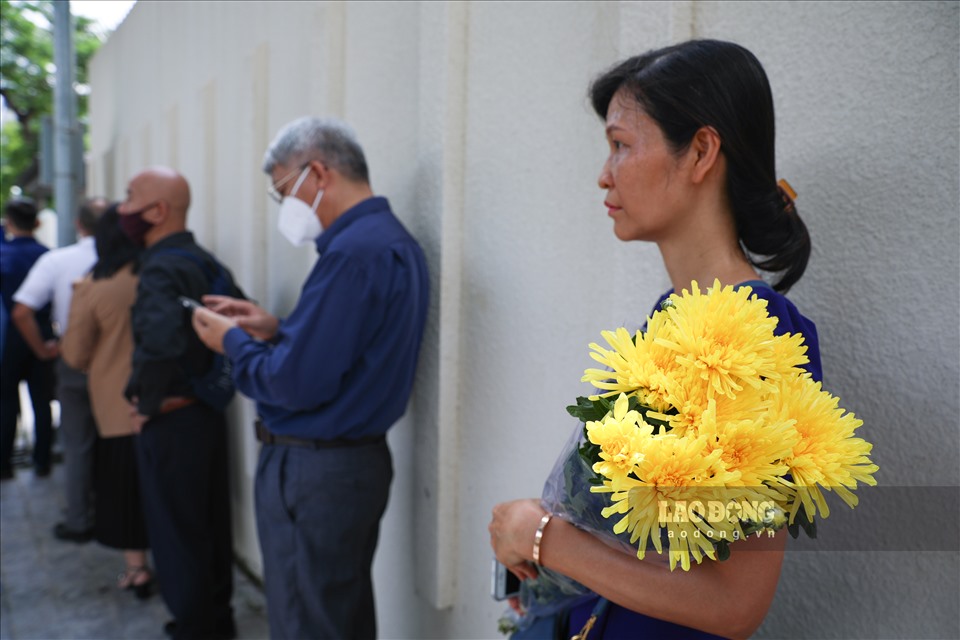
(185, 488)
(318, 517)
(19, 363)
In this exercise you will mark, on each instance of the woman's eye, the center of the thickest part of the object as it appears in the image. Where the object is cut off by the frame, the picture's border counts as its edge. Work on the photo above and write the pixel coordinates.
(617, 145)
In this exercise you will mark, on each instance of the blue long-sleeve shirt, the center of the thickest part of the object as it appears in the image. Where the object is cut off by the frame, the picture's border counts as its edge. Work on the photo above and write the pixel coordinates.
(342, 364)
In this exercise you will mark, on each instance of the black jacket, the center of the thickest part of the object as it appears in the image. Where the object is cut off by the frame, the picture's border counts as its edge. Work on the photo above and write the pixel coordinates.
(166, 349)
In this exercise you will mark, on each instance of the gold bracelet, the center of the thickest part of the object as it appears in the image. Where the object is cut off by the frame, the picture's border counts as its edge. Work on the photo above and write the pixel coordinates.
(538, 537)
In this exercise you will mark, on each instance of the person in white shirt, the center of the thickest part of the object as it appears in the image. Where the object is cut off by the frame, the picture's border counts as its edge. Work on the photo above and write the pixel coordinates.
(51, 280)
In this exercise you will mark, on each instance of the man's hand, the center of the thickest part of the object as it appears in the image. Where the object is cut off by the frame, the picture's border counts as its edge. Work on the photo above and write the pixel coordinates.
(211, 327)
(25, 319)
(248, 316)
(50, 351)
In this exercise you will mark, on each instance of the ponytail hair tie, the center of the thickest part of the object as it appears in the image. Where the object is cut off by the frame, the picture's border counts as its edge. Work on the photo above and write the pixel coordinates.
(787, 193)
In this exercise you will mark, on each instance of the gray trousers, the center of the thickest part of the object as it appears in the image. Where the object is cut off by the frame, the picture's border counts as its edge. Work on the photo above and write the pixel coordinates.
(78, 434)
(318, 517)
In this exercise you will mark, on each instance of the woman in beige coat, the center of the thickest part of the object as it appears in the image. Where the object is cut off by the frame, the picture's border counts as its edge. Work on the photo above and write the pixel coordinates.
(99, 340)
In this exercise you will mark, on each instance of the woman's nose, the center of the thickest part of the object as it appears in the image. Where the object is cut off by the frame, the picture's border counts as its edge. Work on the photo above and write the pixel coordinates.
(605, 179)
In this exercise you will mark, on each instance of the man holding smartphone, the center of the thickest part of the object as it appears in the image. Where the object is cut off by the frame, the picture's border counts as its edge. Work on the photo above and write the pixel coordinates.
(329, 381)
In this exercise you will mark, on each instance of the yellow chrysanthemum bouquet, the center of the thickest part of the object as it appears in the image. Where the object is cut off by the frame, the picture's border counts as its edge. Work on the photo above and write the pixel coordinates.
(707, 431)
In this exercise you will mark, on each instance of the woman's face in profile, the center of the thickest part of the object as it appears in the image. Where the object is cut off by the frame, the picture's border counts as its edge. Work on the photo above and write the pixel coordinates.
(644, 194)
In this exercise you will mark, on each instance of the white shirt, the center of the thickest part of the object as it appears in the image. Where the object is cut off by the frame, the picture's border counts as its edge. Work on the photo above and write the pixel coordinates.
(52, 276)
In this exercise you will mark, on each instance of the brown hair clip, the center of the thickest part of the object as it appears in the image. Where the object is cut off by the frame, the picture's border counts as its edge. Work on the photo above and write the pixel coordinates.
(787, 193)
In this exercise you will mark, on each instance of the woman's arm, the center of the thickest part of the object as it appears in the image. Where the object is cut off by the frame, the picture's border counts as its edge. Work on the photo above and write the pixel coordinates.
(728, 598)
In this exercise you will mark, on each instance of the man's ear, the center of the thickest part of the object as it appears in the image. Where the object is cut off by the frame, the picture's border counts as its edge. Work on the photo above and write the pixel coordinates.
(705, 149)
(323, 173)
(157, 214)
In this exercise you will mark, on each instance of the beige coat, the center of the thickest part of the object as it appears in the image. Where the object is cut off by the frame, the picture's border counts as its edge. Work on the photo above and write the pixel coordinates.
(99, 340)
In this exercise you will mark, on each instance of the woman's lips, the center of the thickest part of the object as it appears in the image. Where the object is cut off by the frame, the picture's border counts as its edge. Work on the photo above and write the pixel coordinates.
(611, 208)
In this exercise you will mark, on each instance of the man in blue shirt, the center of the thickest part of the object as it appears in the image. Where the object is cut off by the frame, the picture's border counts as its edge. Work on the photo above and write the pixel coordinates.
(329, 381)
(19, 363)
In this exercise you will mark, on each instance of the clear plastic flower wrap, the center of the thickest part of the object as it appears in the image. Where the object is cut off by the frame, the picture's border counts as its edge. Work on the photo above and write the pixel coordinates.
(567, 494)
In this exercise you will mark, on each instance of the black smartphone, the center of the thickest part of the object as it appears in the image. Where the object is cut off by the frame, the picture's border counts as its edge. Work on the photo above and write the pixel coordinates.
(504, 583)
(189, 303)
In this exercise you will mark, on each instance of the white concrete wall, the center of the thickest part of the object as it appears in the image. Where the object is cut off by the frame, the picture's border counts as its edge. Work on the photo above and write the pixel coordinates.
(476, 126)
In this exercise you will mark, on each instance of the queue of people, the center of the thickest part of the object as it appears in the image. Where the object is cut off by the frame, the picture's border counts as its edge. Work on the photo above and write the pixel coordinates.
(160, 485)
(691, 167)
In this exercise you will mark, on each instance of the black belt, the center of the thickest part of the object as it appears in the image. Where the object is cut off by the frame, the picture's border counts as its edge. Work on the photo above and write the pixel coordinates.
(265, 436)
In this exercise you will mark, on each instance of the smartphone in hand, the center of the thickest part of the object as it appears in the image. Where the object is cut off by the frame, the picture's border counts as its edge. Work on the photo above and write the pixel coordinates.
(504, 583)
(189, 303)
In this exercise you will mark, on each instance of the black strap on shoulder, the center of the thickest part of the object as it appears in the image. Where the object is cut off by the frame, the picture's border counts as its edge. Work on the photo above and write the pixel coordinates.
(200, 261)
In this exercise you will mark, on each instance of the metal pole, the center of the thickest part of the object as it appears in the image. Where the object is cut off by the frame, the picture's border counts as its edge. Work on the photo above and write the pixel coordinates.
(65, 123)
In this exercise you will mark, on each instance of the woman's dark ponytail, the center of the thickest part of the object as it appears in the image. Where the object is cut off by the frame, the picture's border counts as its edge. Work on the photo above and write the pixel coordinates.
(722, 85)
(774, 237)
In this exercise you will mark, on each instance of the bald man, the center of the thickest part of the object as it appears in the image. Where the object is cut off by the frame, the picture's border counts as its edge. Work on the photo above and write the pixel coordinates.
(182, 447)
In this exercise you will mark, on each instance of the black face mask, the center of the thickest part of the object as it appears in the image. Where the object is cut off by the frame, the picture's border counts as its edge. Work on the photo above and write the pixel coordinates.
(134, 226)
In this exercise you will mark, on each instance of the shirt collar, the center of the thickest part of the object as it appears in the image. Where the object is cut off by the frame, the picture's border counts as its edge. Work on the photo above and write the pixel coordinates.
(369, 206)
(173, 240)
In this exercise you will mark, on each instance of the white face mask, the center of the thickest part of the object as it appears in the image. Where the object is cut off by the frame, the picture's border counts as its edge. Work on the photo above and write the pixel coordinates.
(298, 222)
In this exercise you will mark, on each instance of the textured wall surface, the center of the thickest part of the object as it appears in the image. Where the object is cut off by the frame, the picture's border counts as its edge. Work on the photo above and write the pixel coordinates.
(476, 126)
(868, 136)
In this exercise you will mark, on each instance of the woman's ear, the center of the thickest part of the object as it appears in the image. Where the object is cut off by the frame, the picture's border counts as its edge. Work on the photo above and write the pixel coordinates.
(705, 149)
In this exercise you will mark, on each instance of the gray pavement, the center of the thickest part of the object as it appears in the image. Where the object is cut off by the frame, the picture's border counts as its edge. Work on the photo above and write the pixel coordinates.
(62, 590)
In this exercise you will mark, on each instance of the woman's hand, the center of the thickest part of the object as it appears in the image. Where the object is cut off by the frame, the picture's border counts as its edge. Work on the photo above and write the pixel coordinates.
(248, 316)
(512, 530)
(137, 419)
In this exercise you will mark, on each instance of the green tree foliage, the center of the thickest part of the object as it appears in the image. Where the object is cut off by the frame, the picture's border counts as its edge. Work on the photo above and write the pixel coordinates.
(27, 81)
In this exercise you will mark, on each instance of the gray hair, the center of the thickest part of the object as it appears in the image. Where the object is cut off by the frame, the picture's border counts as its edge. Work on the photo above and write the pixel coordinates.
(327, 140)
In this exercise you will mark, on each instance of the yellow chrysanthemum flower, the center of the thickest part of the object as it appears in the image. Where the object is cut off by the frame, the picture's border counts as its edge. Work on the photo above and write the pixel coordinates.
(751, 447)
(789, 354)
(724, 334)
(826, 454)
(674, 473)
(636, 364)
(742, 418)
(626, 373)
(620, 438)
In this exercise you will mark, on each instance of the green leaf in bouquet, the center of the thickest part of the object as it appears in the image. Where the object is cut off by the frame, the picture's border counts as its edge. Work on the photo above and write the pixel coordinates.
(579, 467)
(587, 410)
(589, 451)
(805, 522)
(723, 549)
(645, 411)
(585, 505)
(749, 527)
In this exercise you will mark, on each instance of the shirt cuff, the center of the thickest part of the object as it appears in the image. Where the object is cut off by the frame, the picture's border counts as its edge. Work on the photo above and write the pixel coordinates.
(233, 341)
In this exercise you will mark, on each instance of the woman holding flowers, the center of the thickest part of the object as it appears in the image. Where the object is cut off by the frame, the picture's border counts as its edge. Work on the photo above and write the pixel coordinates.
(690, 130)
